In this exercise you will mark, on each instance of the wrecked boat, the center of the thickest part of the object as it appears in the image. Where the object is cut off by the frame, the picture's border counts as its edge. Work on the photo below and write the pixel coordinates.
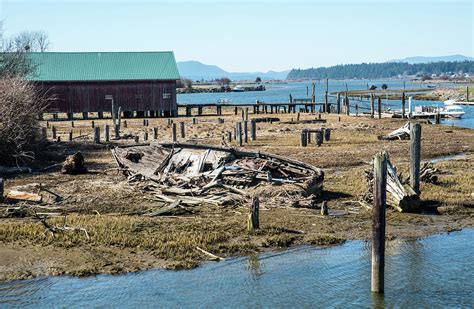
(195, 174)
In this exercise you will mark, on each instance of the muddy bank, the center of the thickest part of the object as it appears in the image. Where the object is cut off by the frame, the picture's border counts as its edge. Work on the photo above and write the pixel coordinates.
(104, 203)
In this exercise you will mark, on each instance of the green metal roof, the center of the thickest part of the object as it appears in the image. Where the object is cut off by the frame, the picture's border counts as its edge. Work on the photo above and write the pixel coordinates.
(102, 66)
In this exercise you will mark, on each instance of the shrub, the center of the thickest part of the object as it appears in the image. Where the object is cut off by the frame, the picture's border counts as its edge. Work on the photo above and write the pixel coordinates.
(20, 106)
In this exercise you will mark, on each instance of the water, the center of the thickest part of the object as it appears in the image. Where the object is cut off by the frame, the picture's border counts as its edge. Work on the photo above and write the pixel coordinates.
(432, 272)
(279, 93)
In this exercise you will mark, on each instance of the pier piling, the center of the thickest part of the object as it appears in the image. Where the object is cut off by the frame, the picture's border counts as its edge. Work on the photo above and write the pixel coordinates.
(415, 156)
(378, 222)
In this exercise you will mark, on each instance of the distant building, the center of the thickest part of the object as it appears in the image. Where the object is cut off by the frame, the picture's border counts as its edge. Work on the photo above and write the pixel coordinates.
(139, 82)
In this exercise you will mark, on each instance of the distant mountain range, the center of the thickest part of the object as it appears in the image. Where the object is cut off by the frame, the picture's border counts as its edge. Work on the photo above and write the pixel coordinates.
(421, 59)
(196, 70)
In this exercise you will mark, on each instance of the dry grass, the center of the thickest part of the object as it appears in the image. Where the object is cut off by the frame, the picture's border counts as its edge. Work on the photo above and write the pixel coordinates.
(121, 242)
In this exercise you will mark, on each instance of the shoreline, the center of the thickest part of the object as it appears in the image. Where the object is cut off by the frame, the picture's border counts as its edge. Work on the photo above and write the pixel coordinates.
(102, 201)
(263, 252)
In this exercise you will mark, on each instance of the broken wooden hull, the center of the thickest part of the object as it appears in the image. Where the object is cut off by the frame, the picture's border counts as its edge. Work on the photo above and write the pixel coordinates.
(182, 169)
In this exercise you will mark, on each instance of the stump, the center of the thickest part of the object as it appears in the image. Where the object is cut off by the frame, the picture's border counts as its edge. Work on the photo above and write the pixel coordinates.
(74, 164)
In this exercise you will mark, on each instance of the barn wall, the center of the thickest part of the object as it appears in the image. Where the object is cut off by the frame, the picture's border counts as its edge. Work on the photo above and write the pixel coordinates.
(76, 97)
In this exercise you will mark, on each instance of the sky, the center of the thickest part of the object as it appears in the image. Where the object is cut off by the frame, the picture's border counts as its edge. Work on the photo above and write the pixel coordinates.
(248, 36)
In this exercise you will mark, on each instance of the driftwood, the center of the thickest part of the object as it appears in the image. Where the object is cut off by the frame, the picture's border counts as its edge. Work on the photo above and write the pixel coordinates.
(74, 164)
(402, 133)
(61, 229)
(212, 256)
(401, 197)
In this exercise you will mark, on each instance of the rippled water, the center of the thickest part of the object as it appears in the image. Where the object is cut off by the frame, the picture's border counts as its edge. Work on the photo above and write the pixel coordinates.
(280, 93)
(432, 272)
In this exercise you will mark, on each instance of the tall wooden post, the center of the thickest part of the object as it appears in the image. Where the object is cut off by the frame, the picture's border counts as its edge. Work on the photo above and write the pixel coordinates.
(117, 131)
(372, 105)
(467, 94)
(247, 113)
(378, 222)
(253, 129)
(326, 103)
(53, 132)
(229, 136)
(155, 133)
(327, 134)
(145, 136)
(70, 136)
(246, 132)
(239, 133)
(415, 156)
(338, 103)
(119, 117)
(319, 137)
(403, 105)
(313, 95)
(182, 130)
(106, 133)
(96, 135)
(114, 119)
(379, 107)
(173, 132)
(348, 107)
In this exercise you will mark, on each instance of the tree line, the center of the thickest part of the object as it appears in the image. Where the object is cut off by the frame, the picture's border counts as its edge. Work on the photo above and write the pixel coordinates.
(382, 70)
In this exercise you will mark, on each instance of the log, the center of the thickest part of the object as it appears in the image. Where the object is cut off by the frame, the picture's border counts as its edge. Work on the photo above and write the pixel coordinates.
(17, 196)
(402, 133)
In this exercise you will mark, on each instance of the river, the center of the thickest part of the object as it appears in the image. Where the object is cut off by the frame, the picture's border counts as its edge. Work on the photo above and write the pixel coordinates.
(435, 271)
(280, 93)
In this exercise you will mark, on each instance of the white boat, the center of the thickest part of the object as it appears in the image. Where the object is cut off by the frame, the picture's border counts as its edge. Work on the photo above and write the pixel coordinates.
(449, 102)
(452, 111)
(454, 102)
(238, 89)
(223, 100)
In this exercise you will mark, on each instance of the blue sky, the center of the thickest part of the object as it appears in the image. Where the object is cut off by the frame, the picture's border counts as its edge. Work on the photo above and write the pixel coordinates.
(252, 35)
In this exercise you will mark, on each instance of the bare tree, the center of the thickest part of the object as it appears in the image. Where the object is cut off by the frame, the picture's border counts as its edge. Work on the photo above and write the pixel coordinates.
(36, 41)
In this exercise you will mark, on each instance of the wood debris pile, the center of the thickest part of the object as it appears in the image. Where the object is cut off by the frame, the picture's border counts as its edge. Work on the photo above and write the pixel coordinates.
(190, 174)
(399, 196)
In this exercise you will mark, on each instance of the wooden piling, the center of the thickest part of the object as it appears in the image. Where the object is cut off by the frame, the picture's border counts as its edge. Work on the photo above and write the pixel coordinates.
(338, 103)
(415, 156)
(173, 132)
(106, 133)
(372, 106)
(119, 117)
(117, 131)
(247, 113)
(403, 105)
(92, 124)
(70, 136)
(72, 124)
(438, 118)
(327, 134)
(379, 107)
(125, 124)
(53, 132)
(378, 222)
(181, 129)
(155, 133)
(145, 136)
(304, 138)
(229, 136)
(239, 133)
(246, 132)
(97, 135)
(253, 221)
(253, 129)
(319, 137)
(194, 121)
(137, 139)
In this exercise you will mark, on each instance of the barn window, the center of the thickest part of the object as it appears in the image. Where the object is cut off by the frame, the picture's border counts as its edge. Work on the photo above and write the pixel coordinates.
(166, 95)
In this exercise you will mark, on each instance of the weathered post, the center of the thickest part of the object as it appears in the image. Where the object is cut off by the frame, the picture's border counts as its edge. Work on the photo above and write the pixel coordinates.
(155, 133)
(246, 132)
(304, 138)
(106, 133)
(229, 136)
(70, 136)
(173, 132)
(194, 121)
(239, 133)
(235, 110)
(338, 103)
(379, 107)
(72, 124)
(253, 220)
(438, 118)
(114, 114)
(92, 124)
(53, 132)
(181, 128)
(119, 117)
(324, 208)
(243, 114)
(415, 156)
(327, 134)
(357, 109)
(319, 137)
(348, 108)
(313, 93)
(467, 94)
(326, 103)
(117, 131)
(403, 105)
(378, 222)
(145, 136)
(125, 124)
(253, 129)
(298, 117)
(2, 185)
(247, 113)
(137, 139)
(372, 106)
(97, 135)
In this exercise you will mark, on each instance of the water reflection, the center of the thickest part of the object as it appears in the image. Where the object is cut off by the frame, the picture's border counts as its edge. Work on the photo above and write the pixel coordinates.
(432, 272)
